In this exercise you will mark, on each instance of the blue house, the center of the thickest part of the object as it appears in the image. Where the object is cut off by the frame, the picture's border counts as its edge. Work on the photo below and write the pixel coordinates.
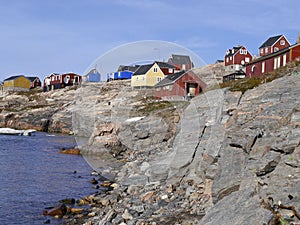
(121, 75)
(92, 76)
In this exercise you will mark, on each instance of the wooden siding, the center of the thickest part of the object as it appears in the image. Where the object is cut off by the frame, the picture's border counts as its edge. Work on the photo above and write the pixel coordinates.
(20, 83)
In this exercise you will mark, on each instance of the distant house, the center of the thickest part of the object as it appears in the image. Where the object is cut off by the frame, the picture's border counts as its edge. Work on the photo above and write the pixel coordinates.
(179, 85)
(273, 44)
(58, 81)
(147, 75)
(270, 62)
(181, 62)
(34, 82)
(16, 83)
(92, 76)
(236, 58)
(123, 73)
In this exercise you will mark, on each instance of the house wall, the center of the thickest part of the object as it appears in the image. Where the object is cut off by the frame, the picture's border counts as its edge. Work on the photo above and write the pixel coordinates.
(295, 52)
(93, 77)
(168, 71)
(267, 65)
(122, 75)
(20, 83)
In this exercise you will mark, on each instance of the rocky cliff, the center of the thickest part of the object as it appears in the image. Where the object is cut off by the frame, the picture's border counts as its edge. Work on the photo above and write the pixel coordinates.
(225, 158)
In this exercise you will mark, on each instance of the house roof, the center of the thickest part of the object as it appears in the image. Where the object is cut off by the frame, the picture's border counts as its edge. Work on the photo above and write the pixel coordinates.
(271, 41)
(164, 65)
(13, 77)
(143, 69)
(236, 49)
(170, 79)
(128, 68)
(93, 71)
(180, 59)
(32, 78)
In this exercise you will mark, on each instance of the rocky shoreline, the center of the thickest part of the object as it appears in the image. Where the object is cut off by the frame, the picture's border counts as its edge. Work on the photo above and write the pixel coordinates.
(235, 161)
(222, 158)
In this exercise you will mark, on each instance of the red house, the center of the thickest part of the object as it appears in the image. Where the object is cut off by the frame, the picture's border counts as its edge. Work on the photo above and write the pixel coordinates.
(57, 81)
(179, 85)
(273, 44)
(269, 63)
(181, 62)
(34, 82)
(236, 58)
(166, 68)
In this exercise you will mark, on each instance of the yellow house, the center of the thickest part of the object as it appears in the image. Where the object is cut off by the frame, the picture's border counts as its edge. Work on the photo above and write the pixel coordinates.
(147, 76)
(16, 83)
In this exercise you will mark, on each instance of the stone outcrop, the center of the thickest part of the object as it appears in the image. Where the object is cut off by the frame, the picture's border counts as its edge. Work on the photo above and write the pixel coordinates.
(232, 159)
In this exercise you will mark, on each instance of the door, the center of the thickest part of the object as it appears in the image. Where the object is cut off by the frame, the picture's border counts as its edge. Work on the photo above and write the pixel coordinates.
(191, 90)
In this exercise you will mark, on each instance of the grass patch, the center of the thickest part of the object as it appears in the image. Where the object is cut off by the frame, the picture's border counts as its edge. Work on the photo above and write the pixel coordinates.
(154, 106)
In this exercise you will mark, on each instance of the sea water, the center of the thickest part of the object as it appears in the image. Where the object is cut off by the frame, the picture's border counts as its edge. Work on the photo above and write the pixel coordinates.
(34, 176)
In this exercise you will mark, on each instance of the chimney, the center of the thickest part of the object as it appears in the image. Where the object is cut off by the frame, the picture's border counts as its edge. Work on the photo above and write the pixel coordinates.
(298, 39)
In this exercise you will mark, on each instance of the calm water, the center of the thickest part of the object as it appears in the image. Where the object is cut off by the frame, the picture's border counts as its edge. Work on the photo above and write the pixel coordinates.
(33, 176)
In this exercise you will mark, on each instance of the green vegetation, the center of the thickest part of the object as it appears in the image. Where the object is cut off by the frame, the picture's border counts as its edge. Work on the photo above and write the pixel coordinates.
(154, 106)
(250, 83)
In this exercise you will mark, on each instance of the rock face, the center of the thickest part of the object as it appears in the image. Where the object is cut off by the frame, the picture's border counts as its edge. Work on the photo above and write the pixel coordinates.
(231, 158)
(37, 110)
(222, 158)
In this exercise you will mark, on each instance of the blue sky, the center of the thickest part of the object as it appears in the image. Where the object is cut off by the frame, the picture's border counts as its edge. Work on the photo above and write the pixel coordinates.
(41, 37)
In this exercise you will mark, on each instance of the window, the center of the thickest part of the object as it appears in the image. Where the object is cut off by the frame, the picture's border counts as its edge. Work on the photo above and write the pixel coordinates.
(227, 59)
(230, 57)
(276, 49)
(263, 67)
(158, 79)
(275, 63)
(284, 60)
(252, 68)
(243, 51)
(266, 50)
(247, 59)
(143, 78)
(262, 51)
(170, 70)
(155, 70)
(282, 42)
(137, 78)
